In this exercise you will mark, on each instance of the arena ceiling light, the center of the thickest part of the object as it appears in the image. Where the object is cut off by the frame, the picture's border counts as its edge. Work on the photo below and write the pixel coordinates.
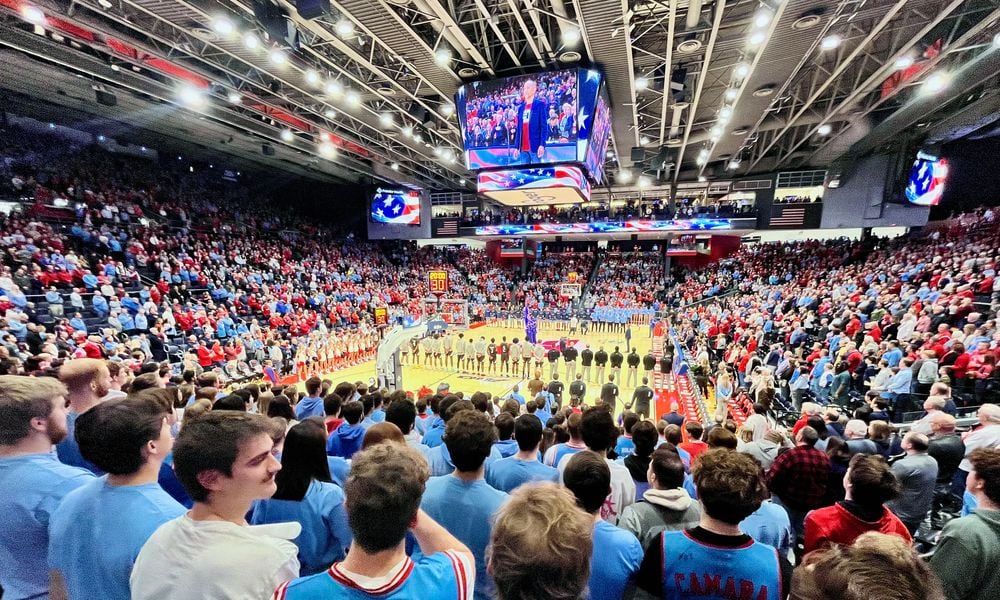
(641, 83)
(192, 97)
(824, 129)
(33, 14)
(762, 19)
(327, 150)
(333, 88)
(251, 41)
(223, 26)
(701, 160)
(996, 40)
(570, 36)
(447, 109)
(385, 120)
(408, 130)
(442, 56)
(731, 94)
(702, 179)
(287, 135)
(903, 62)
(756, 38)
(461, 182)
(278, 56)
(725, 113)
(394, 166)
(312, 77)
(741, 70)
(936, 83)
(345, 27)
(330, 113)
(733, 165)
(234, 98)
(644, 141)
(624, 176)
(353, 99)
(644, 182)
(105, 4)
(831, 42)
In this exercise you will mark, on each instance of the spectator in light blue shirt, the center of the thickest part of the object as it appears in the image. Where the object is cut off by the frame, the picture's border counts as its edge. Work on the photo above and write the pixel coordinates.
(523, 467)
(619, 553)
(307, 495)
(893, 355)
(32, 480)
(99, 528)
(462, 502)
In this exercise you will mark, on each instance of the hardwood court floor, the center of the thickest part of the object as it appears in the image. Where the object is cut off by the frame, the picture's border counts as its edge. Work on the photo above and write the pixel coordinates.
(417, 376)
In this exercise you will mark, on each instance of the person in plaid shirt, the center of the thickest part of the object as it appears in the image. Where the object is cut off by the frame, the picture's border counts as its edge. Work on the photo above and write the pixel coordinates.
(798, 477)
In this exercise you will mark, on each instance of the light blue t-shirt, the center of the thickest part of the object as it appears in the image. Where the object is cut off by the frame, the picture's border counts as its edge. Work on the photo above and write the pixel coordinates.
(769, 525)
(325, 533)
(466, 509)
(616, 559)
(439, 459)
(98, 531)
(625, 446)
(69, 451)
(31, 487)
(510, 473)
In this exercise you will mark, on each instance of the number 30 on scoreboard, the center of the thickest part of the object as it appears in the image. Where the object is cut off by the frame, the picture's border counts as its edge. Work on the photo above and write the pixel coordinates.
(438, 281)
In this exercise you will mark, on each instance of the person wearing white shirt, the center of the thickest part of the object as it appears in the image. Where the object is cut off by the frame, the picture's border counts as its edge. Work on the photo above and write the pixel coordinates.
(225, 460)
(599, 434)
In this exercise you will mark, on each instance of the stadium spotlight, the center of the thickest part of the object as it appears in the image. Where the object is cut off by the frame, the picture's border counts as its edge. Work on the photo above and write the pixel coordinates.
(333, 88)
(278, 56)
(757, 38)
(33, 14)
(408, 130)
(702, 179)
(385, 119)
(192, 97)
(731, 94)
(287, 135)
(624, 176)
(105, 4)
(936, 83)
(442, 56)
(996, 40)
(327, 150)
(824, 129)
(345, 27)
(644, 182)
(461, 182)
(312, 77)
(235, 98)
(641, 83)
(438, 152)
(329, 113)
(353, 99)
(644, 141)
(251, 41)
(762, 19)
(701, 160)
(223, 26)
(903, 62)
(570, 36)
(741, 70)
(394, 166)
(725, 113)
(831, 42)
(447, 109)
(733, 164)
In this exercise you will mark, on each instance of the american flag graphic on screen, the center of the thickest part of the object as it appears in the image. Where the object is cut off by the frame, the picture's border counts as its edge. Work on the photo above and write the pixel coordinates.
(396, 207)
(543, 177)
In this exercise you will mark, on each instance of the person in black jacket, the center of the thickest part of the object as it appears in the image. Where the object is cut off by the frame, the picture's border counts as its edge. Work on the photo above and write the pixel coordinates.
(553, 356)
(642, 397)
(556, 389)
(609, 394)
(600, 359)
(948, 449)
(617, 358)
(578, 389)
(633, 368)
(586, 358)
(569, 357)
(648, 363)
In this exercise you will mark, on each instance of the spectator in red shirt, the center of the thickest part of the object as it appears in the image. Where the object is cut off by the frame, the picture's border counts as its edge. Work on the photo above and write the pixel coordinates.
(868, 485)
(694, 446)
(798, 477)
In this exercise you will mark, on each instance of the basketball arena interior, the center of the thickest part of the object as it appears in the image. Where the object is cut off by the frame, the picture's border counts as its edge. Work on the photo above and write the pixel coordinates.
(499, 299)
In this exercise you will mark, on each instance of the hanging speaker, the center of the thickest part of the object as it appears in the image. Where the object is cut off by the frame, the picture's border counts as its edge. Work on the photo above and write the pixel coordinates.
(312, 9)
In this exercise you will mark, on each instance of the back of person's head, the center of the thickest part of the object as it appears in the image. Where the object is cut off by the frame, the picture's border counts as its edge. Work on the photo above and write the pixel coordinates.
(856, 428)
(445, 404)
(528, 432)
(574, 425)
(118, 436)
(598, 429)
(82, 373)
(694, 430)
(986, 466)
(730, 484)
(345, 390)
(720, 437)
(383, 494)
(644, 437)
(280, 406)
(368, 403)
(629, 419)
(207, 379)
(352, 412)
(541, 545)
(383, 432)
(455, 408)
(146, 381)
(875, 567)
(672, 433)
(469, 436)
(667, 467)
(402, 414)
(331, 404)
(313, 385)
(197, 409)
(303, 459)
(23, 399)
(207, 447)
(481, 401)
(230, 402)
(869, 480)
(505, 426)
(588, 476)
(819, 425)
(808, 436)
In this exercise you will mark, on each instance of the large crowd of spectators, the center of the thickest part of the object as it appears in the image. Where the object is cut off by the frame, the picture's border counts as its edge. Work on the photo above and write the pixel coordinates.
(630, 210)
